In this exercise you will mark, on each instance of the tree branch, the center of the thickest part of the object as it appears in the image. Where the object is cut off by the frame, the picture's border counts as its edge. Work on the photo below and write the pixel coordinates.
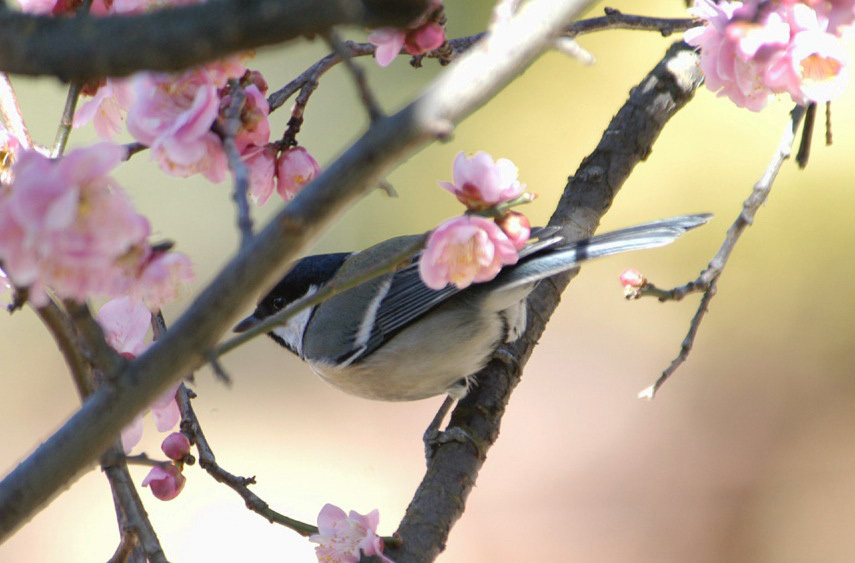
(170, 39)
(453, 468)
(456, 93)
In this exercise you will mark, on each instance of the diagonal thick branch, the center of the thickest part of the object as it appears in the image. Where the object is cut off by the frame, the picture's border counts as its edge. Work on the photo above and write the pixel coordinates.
(83, 48)
(461, 89)
(454, 466)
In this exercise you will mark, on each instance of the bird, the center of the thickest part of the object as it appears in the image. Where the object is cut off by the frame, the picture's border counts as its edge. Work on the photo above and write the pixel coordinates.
(392, 338)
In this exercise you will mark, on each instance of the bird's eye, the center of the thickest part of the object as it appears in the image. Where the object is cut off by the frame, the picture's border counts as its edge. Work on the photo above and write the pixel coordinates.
(278, 302)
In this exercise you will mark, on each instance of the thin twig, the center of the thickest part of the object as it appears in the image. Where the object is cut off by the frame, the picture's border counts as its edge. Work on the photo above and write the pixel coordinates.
(127, 543)
(133, 515)
(708, 278)
(190, 426)
(613, 20)
(803, 154)
(330, 289)
(66, 122)
(95, 346)
(229, 130)
(365, 94)
(60, 327)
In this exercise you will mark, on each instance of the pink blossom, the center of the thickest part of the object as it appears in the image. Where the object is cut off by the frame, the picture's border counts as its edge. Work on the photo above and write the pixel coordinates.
(163, 276)
(173, 115)
(125, 322)
(632, 278)
(724, 71)
(66, 224)
(295, 168)
(165, 410)
(424, 38)
(814, 68)
(342, 537)
(166, 481)
(10, 146)
(464, 250)
(517, 227)
(754, 50)
(176, 446)
(255, 127)
(480, 183)
(107, 108)
(389, 42)
(261, 162)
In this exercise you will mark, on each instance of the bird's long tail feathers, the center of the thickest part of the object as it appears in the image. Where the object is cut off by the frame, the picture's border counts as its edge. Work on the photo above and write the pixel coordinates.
(534, 266)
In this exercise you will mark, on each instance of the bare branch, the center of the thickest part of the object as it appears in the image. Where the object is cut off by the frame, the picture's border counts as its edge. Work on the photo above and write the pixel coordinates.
(174, 38)
(365, 94)
(239, 169)
(708, 278)
(240, 485)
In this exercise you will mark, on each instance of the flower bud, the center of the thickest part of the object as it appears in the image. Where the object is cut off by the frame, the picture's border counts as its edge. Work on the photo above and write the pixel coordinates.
(176, 446)
(166, 481)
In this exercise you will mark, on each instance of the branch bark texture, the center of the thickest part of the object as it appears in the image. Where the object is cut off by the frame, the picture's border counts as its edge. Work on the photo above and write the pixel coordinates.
(171, 39)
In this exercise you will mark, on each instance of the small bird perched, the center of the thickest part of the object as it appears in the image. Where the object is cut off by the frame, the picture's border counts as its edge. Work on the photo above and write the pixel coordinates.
(393, 338)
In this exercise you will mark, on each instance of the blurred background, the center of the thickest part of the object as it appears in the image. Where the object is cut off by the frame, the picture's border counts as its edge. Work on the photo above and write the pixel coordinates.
(747, 454)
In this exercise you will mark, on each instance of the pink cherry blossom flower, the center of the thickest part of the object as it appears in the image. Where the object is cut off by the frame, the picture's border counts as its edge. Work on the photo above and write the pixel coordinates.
(176, 446)
(753, 50)
(173, 115)
(517, 227)
(464, 250)
(261, 162)
(342, 537)
(166, 481)
(10, 146)
(166, 416)
(295, 168)
(66, 224)
(125, 322)
(389, 42)
(255, 127)
(107, 108)
(165, 410)
(814, 68)
(632, 278)
(163, 276)
(480, 183)
(424, 38)
(725, 72)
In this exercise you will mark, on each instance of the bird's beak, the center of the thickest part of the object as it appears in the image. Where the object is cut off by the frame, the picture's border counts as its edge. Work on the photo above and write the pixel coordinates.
(246, 324)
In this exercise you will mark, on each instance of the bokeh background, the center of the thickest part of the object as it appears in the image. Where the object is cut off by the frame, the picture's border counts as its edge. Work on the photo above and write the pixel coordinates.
(746, 455)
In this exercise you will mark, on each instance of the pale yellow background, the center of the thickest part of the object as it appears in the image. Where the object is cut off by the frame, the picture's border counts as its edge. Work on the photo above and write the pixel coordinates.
(746, 455)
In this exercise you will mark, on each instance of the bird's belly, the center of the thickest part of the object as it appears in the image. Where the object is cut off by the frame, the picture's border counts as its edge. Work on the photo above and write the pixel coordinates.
(409, 368)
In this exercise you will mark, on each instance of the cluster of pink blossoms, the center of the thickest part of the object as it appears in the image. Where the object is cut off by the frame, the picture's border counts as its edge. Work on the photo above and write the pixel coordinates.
(345, 538)
(753, 50)
(175, 114)
(65, 224)
(421, 36)
(126, 322)
(472, 248)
